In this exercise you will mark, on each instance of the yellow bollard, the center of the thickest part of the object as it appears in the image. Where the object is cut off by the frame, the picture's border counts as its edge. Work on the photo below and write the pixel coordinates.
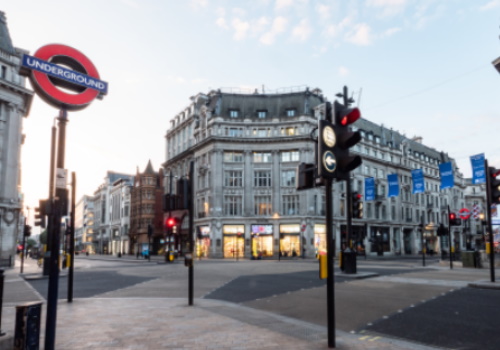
(453, 249)
(323, 267)
(488, 248)
(68, 260)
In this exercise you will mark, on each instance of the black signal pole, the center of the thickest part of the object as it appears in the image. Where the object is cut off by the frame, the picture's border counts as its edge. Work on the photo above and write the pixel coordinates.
(58, 203)
(330, 254)
(490, 228)
(72, 239)
(449, 238)
(191, 233)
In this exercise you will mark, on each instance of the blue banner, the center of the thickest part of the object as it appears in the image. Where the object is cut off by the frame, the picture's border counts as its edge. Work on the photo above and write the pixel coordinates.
(393, 181)
(369, 189)
(417, 176)
(478, 170)
(446, 173)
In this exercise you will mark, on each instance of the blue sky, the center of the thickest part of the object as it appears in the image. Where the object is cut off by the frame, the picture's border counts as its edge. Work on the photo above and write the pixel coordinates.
(420, 67)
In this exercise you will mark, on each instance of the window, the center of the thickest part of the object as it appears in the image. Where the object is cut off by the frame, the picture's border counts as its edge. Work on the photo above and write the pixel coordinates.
(290, 204)
(290, 112)
(232, 205)
(290, 156)
(234, 132)
(262, 114)
(233, 178)
(4, 72)
(234, 113)
(288, 178)
(263, 205)
(262, 157)
(262, 132)
(262, 178)
(235, 157)
(291, 131)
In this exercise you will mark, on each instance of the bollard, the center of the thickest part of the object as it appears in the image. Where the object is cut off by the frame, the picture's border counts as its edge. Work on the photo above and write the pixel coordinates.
(2, 277)
(27, 332)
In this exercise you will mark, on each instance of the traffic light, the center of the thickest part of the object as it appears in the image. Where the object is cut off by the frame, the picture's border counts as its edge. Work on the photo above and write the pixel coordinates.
(327, 164)
(169, 202)
(40, 212)
(494, 185)
(454, 221)
(305, 176)
(171, 222)
(183, 194)
(357, 206)
(343, 116)
(150, 230)
(27, 230)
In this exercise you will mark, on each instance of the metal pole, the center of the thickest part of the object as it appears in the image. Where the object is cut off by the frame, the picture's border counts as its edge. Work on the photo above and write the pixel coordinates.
(422, 239)
(53, 140)
(490, 228)
(191, 214)
(72, 239)
(330, 254)
(57, 207)
(24, 246)
(449, 237)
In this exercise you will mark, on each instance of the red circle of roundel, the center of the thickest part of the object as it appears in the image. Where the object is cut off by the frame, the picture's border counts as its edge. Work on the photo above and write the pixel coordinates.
(55, 94)
(464, 213)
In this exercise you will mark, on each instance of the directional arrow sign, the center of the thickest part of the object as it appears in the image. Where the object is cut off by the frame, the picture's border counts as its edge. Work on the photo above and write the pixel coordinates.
(329, 161)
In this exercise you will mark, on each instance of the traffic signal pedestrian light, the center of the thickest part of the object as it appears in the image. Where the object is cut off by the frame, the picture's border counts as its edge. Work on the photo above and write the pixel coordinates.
(357, 206)
(41, 212)
(494, 185)
(305, 176)
(27, 230)
(454, 221)
(327, 164)
(343, 117)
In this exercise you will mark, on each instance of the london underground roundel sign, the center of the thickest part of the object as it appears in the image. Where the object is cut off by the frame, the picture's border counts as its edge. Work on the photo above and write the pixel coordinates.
(63, 77)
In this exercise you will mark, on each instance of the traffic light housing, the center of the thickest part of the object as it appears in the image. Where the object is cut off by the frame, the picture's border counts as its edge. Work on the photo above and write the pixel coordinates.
(454, 221)
(183, 194)
(171, 222)
(27, 230)
(41, 211)
(343, 116)
(494, 185)
(305, 176)
(357, 206)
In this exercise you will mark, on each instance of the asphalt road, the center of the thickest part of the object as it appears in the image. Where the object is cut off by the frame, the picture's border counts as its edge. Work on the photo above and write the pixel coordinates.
(428, 305)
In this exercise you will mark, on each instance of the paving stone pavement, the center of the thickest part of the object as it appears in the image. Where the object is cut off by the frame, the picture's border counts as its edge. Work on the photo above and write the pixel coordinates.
(170, 323)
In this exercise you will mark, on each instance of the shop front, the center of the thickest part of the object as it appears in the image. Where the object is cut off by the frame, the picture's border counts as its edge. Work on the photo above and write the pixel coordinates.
(380, 240)
(320, 239)
(290, 240)
(202, 241)
(234, 241)
(262, 241)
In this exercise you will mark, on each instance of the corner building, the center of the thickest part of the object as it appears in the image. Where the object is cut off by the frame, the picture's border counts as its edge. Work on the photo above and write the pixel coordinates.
(246, 148)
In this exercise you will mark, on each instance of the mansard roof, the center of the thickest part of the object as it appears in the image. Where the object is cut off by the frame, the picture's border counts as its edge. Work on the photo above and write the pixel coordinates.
(5, 41)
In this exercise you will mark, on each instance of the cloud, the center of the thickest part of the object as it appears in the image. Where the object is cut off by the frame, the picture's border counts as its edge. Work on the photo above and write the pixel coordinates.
(221, 22)
(391, 31)
(343, 71)
(388, 7)
(279, 26)
(281, 4)
(360, 35)
(260, 25)
(240, 28)
(323, 11)
(199, 4)
(302, 31)
(490, 5)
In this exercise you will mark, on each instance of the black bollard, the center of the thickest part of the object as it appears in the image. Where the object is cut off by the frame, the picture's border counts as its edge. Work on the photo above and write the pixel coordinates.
(2, 277)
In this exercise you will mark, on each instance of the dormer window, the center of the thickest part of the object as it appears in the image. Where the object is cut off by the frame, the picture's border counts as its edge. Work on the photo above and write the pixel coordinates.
(234, 113)
(290, 112)
(262, 114)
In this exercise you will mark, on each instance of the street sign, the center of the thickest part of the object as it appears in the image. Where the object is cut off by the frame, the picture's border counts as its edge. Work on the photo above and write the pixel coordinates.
(464, 213)
(329, 162)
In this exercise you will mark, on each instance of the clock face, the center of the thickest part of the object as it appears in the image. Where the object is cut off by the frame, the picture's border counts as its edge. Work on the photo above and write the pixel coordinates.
(9, 217)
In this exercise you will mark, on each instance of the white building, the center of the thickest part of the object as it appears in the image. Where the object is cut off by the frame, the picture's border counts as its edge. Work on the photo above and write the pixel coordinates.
(246, 148)
(15, 103)
(84, 224)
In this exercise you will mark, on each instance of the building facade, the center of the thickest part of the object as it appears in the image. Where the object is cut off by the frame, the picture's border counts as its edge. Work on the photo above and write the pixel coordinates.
(15, 103)
(119, 209)
(246, 148)
(146, 234)
(84, 224)
(103, 231)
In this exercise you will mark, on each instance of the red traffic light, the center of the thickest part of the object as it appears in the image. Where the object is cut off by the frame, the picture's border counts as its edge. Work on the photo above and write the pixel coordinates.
(345, 115)
(170, 222)
(453, 216)
(359, 196)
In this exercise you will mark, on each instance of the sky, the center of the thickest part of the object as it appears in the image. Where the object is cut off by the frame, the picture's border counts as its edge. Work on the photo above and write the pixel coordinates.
(421, 67)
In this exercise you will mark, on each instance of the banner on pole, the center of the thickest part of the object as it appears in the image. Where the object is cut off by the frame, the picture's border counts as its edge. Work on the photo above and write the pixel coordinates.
(446, 174)
(369, 189)
(393, 181)
(417, 176)
(478, 171)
